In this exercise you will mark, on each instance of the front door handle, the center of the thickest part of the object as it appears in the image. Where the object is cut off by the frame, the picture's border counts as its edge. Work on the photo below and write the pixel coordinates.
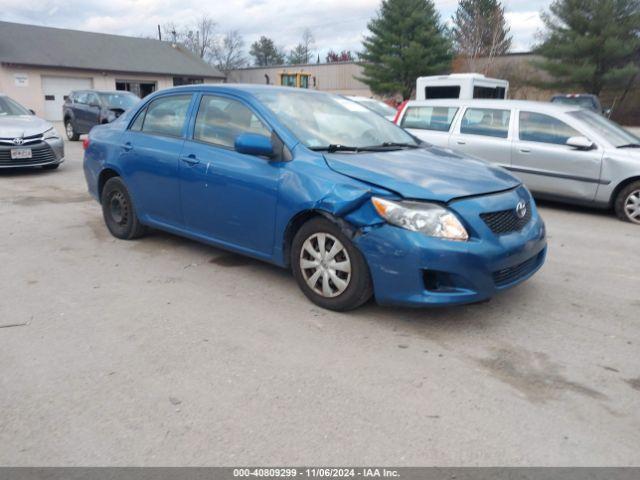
(461, 142)
(525, 150)
(127, 147)
(190, 159)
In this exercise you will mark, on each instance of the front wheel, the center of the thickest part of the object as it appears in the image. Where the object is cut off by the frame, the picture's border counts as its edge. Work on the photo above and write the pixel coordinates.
(328, 268)
(627, 203)
(119, 212)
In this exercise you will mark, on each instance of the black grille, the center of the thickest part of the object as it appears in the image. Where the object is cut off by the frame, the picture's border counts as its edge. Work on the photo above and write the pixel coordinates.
(506, 221)
(511, 274)
(41, 153)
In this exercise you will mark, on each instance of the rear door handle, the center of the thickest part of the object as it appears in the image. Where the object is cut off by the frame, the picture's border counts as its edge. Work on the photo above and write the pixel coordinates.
(461, 142)
(190, 159)
(525, 150)
(127, 147)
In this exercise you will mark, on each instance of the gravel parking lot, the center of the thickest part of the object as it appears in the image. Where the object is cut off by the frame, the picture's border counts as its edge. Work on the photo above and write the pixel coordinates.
(163, 351)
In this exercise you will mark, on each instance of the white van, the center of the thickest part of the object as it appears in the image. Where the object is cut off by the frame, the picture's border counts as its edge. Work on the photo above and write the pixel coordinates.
(465, 86)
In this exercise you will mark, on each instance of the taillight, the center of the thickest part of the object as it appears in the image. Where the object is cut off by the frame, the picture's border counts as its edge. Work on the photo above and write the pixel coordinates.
(396, 119)
(85, 143)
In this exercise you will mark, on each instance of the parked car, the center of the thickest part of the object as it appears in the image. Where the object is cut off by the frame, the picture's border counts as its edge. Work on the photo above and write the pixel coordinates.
(308, 180)
(560, 152)
(580, 100)
(375, 105)
(84, 109)
(27, 140)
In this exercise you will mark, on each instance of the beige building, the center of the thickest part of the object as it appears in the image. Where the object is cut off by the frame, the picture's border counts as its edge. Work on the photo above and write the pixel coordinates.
(39, 66)
(340, 77)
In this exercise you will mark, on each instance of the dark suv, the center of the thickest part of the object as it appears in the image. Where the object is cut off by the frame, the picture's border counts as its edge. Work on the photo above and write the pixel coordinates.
(83, 109)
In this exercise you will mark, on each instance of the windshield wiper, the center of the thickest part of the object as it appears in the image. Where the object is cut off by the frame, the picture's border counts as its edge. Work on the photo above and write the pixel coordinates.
(383, 147)
(335, 147)
(630, 145)
(396, 144)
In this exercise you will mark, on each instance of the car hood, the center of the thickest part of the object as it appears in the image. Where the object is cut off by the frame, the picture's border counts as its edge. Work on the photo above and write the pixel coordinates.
(424, 173)
(13, 126)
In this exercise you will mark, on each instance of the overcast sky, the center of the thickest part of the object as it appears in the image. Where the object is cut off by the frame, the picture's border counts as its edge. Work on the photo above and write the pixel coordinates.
(335, 24)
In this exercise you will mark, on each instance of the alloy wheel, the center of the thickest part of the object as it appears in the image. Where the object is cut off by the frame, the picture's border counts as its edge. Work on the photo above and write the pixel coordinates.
(632, 206)
(325, 265)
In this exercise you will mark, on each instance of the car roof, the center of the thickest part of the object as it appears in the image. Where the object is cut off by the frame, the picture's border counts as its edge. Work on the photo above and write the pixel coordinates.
(101, 91)
(519, 104)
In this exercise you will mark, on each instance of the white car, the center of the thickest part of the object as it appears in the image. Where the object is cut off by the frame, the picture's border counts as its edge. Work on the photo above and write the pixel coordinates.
(560, 152)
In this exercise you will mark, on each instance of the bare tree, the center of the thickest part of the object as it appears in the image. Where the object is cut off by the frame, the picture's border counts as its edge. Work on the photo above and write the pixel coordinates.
(197, 37)
(308, 44)
(228, 52)
(480, 31)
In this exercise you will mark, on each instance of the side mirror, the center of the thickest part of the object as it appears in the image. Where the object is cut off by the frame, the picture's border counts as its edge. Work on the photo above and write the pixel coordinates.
(607, 112)
(32, 111)
(580, 143)
(254, 144)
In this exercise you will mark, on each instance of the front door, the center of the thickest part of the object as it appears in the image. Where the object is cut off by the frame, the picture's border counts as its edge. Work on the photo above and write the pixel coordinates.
(154, 143)
(484, 133)
(547, 165)
(227, 196)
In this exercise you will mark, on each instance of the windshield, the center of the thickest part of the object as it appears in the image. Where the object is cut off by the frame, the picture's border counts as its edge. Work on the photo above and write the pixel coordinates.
(584, 102)
(119, 100)
(380, 108)
(611, 131)
(9, 107)
(320, 120)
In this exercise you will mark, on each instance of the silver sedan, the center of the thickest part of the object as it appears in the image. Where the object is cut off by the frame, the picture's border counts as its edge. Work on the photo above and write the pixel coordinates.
(560, 152)
(27, 140)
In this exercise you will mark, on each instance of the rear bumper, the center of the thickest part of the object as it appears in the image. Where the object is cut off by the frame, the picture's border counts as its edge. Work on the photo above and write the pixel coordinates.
(411, 269)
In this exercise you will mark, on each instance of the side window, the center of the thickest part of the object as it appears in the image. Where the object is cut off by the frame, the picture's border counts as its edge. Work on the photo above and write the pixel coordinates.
(80, 97)
(487, 122)
(220, 121)
(166, 115)
(136, 126)
(92, 99)
(537, 127)
(429, 118)
(452, 91)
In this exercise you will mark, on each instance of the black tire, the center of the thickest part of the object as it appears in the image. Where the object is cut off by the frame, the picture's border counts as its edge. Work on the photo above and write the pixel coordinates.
(359, 288)
(52, 166)
(119, 212)
(621, 199)
(70, 130)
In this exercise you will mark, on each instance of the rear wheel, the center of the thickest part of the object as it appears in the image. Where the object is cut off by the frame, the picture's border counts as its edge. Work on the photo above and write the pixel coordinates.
(119, 212)
(72, 135)
(627, 203)
(328, 268)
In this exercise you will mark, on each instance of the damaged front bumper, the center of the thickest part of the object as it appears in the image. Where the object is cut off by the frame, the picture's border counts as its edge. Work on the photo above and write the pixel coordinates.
(409, 268)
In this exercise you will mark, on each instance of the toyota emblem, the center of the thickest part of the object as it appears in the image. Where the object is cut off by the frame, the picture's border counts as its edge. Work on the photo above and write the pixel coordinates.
(521, 209)
(18, 141)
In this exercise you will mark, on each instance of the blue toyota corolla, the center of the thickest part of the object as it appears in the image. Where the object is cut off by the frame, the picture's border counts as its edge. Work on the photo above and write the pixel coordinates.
(353, 204)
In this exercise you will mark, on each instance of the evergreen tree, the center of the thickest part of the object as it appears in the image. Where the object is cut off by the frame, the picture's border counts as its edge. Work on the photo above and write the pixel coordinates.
(406, 41)
(591, 44)
(480, 29)
(265, 53)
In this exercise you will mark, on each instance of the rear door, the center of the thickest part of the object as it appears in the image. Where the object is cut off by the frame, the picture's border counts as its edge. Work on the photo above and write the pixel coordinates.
(547, 165)
(429, 123)
(484, 133)
(150, 151)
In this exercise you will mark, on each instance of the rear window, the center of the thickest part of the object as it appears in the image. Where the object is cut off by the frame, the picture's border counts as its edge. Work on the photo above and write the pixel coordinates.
(487, 122)
(489, 92)
(433, 93)
(429, 118)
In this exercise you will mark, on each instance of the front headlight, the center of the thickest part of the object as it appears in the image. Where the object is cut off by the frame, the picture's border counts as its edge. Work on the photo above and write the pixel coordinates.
(428, 218)
(51, 133)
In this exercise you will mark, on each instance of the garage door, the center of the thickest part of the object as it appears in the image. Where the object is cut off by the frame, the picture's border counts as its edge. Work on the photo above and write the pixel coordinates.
(55, 89)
